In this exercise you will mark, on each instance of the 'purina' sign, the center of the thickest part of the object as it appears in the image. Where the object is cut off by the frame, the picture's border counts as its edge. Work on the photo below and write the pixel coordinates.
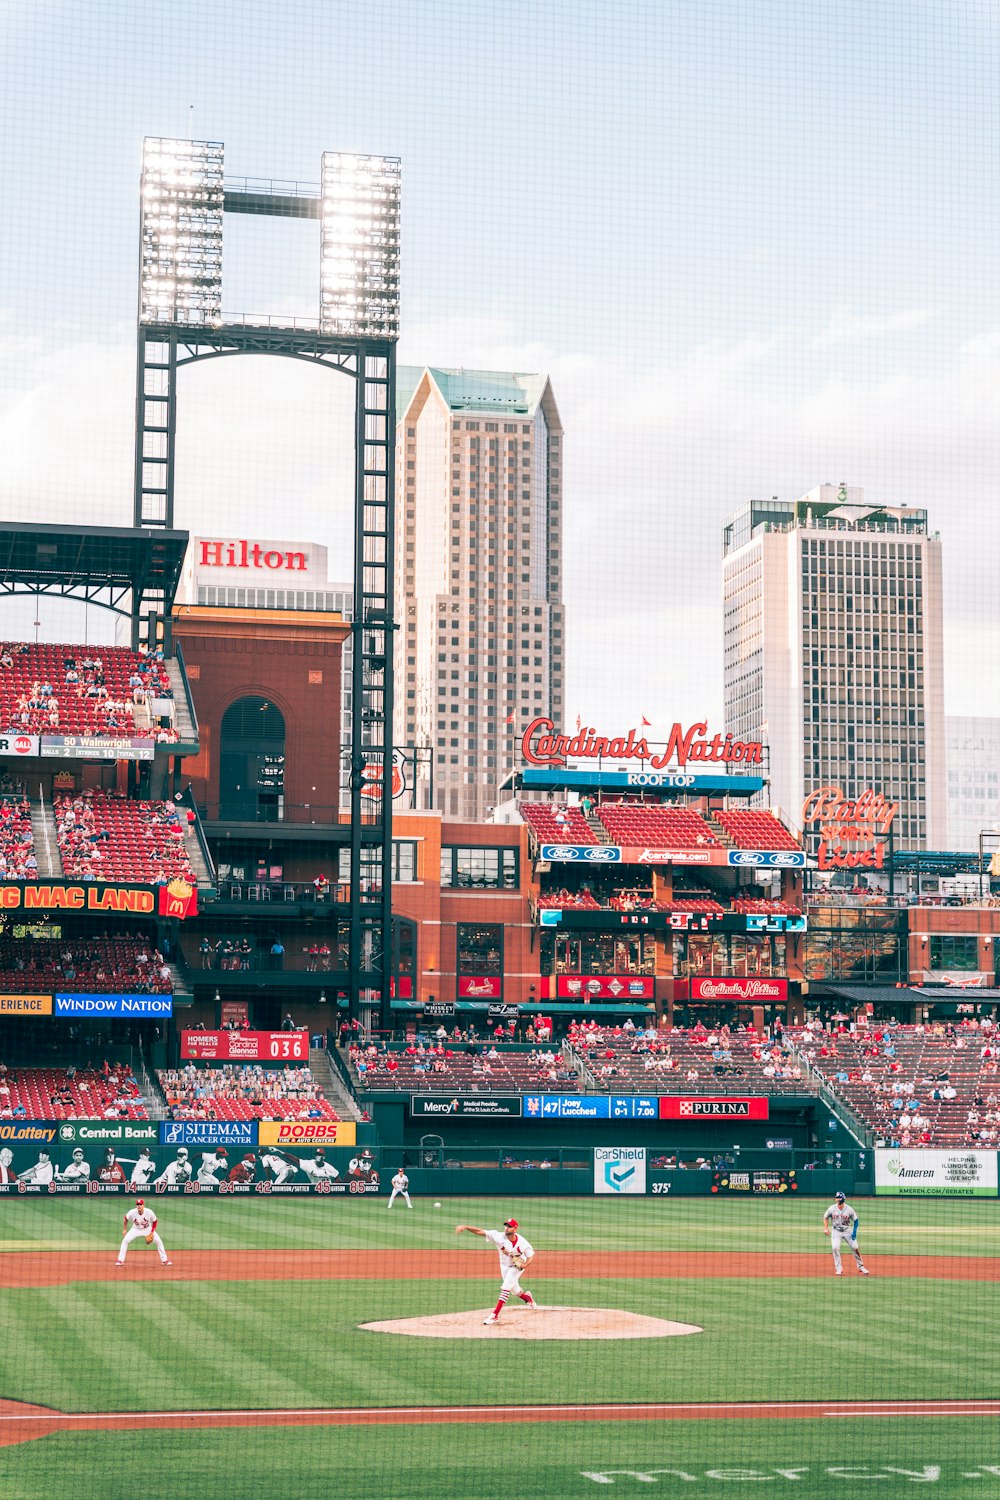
(935, 1174)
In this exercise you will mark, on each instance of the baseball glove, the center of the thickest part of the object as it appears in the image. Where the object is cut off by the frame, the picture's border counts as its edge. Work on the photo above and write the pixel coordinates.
(518, 1262)
(149, 1239)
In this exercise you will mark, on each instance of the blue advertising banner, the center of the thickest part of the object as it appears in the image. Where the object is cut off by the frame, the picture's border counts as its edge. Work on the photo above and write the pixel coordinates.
(132, 1006)
(591, 1107)
(554, 778)
(768, 859)
(208, 1132)
(581, 854)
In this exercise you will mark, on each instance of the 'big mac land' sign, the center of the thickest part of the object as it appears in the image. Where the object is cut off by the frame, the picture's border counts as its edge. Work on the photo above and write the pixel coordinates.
(863, 822)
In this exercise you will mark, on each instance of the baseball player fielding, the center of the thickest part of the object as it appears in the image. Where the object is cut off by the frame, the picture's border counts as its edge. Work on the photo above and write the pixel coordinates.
(140, 1223)
(840, 1222)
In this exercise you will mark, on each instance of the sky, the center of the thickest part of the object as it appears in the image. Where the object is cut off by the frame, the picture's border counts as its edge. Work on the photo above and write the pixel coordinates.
(753, 245)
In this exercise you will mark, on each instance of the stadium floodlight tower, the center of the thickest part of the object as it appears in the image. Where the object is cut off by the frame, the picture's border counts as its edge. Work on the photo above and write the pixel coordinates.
(185, 195)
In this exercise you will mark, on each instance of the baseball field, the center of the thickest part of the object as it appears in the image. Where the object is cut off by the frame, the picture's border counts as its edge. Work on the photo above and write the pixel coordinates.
(244, 1368)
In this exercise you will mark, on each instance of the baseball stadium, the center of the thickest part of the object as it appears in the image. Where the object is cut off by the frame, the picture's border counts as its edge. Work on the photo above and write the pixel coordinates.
(635, 1133)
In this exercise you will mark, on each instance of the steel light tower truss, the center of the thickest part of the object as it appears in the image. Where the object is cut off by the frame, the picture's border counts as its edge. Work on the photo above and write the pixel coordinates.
(185, 195)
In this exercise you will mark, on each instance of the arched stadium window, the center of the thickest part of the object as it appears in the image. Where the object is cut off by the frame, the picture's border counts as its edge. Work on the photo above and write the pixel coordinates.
(252, 762)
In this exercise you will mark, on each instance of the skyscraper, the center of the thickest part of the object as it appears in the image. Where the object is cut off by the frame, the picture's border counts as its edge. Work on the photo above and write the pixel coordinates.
(478, 573)
(833, 651)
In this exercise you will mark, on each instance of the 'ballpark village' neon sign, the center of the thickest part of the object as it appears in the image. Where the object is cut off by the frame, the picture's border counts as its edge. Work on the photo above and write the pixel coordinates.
(541, 746)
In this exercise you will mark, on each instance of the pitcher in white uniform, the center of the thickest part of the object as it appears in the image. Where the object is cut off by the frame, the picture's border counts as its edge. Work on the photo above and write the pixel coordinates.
(510, 1244)
(400, 1189)
(840, 1222)
(139, 1223)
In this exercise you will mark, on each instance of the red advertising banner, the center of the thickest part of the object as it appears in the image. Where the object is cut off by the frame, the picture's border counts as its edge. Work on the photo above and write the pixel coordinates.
(603, 987)
(718, 988)
(677, 1107)
(246, 1046)
(480, 987)
(235, 1010)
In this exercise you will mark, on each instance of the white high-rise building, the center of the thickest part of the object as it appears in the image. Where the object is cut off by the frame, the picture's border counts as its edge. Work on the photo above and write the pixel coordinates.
(833, 652)
(479, 469)
(972, 751)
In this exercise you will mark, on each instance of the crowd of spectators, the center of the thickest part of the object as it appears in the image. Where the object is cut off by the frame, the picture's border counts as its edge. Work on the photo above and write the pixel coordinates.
(105, 836)
(925, 1085)
(683, 1059)
(108, 1093)
(245, 1091)
(58, 689)
(17, 842)
(106, 965)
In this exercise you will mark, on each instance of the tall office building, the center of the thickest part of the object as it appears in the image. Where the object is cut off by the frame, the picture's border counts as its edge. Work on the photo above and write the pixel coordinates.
(833, 652)
(479, 574)
(972, 755)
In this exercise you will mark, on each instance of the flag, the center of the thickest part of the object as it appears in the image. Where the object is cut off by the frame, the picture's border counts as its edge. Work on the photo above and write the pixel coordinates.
(510, 719)
(579, 726)
(646, 723)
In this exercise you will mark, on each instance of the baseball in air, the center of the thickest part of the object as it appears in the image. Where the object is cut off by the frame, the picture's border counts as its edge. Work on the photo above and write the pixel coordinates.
(437, 1205)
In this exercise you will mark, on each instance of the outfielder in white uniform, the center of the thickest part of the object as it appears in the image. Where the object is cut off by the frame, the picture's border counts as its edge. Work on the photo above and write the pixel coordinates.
(140, 1224)
(840, 1223)
(78, 1169)
(515, 1254)
(400, 1188)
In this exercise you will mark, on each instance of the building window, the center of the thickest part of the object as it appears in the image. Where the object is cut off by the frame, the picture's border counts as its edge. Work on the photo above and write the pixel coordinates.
(954, 952)
(468, 867)
(480, 949)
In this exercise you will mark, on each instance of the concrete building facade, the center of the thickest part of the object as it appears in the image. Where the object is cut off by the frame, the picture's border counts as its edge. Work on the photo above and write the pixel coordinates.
(833, 652)
(479, 542)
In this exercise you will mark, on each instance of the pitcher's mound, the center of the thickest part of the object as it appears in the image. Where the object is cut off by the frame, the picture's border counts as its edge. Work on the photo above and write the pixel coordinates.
(547, 1323)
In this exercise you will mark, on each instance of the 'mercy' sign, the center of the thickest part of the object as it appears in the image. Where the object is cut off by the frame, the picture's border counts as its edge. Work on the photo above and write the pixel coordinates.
(542, 746)
(839, 820)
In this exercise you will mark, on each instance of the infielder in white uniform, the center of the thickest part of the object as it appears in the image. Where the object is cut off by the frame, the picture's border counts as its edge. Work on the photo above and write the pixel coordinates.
(400, 1188)
(140, 1223)
(78, 1169)
(515, 1253)
(840, 1223)
(42, 1172)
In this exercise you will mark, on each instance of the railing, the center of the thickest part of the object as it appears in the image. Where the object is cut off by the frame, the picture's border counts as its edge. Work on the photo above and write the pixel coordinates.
(277, 892)
(189, 696)
(236, 810)
(186, 799)
(265, 320)
(50, 864)
(331, 967)
(270, 187)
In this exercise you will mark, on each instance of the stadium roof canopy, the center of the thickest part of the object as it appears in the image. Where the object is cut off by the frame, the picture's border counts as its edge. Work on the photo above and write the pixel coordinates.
(888, 994)
(104, 565)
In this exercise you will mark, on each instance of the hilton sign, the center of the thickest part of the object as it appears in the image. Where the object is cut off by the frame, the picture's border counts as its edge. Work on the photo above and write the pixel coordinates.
(248, 561)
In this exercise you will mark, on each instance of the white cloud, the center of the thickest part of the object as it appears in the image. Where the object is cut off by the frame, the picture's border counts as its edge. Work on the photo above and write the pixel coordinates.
(847, 327)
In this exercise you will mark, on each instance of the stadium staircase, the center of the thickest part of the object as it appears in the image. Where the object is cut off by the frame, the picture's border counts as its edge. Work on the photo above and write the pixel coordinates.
(332, 1084)
(601, 834)
(43, 829)
(718, 831)
(182, 991)
(192, 848)
(185, 721)
(152, 1094)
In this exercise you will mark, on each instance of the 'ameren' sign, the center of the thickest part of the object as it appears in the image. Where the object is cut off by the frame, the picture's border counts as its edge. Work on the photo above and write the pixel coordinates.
(935, 1174)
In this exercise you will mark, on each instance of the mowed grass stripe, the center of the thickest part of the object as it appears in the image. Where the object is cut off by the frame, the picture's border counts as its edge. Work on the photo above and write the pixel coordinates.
(169, 1345)
(888, 1226)
(534, 1461)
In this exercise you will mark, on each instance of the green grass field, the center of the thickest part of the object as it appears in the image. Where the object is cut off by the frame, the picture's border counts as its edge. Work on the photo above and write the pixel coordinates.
(182, 1344)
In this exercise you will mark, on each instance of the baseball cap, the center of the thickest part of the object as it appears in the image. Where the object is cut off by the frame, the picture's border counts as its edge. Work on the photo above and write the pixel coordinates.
(510, 1223)
(140, 1203)
(842, 1196)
